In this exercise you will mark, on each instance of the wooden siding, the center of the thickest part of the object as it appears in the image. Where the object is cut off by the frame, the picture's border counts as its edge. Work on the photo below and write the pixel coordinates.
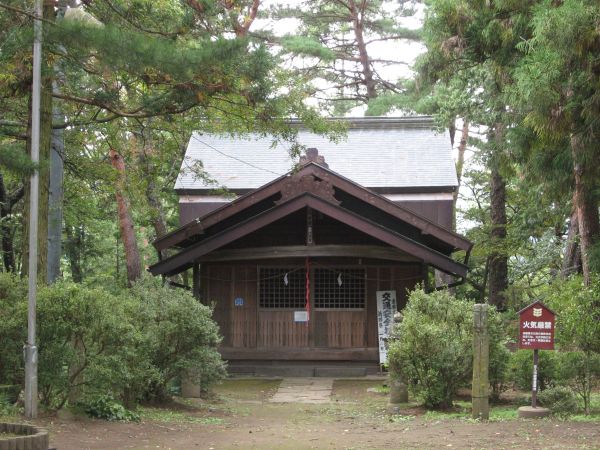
(251, 330)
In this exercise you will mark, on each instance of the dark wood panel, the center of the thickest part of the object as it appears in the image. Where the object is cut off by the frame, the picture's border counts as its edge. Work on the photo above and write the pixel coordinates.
(249, 328)
(372, 285)
(192, 210)
(438, 211)
(219, 294)
(301, 354)
(277, 329)
(341, 329)
(244, 316)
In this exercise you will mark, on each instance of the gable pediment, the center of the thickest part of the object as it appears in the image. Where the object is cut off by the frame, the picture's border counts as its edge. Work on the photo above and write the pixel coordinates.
(208, 243)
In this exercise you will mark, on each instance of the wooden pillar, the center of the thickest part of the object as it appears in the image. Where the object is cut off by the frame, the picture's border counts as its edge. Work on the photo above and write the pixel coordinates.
(425, 272)
(196, 280)
(481, 360)
(190, 388)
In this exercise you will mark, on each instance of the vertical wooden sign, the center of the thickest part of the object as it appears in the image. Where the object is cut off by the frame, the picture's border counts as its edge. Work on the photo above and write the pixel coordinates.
(386, 308)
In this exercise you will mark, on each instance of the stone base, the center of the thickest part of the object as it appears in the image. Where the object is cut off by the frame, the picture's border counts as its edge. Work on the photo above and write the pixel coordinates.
(189, 389)
(393, 409)
(528, 412)
(398, 392)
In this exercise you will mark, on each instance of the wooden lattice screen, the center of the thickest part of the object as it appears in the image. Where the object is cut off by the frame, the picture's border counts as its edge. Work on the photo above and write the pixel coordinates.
(282, 287)
(340, 288)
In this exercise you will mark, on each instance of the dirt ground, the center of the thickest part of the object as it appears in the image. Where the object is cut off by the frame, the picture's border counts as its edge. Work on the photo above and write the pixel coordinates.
(240, 417)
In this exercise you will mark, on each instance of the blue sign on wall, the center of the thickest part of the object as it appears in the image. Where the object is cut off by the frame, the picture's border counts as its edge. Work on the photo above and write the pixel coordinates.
(239, 301)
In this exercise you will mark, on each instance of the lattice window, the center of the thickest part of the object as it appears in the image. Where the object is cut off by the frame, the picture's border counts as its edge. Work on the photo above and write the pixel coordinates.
(276, 290)
(339, 288)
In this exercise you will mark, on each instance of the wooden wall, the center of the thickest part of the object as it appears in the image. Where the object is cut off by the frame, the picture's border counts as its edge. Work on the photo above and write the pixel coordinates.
(250, 328)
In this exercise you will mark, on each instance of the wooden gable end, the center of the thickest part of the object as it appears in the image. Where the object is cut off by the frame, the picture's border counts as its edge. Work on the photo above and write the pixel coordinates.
(332, 186)
(323, 191)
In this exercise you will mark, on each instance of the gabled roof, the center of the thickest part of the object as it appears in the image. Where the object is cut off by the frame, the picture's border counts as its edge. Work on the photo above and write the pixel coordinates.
(179, 236)
(321, 189)
(378, 152)
(185, 258)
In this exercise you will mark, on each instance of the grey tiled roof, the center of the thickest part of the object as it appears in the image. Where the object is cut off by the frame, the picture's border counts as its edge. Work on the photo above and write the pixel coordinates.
(377, 153)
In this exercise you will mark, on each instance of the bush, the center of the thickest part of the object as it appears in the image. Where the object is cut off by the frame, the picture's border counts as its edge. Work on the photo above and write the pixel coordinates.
(178, 336)
(13, 328)
(578, 330)
(520, 369)
(581, 372)
(107, 408)
(92, 342)
(432, 348)
(561, 400)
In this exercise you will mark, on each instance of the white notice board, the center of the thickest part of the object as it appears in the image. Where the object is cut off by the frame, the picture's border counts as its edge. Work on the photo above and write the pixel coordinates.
(386, 308)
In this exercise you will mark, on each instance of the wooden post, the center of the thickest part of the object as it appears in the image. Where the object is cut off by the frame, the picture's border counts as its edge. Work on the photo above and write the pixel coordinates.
(481, 360)
(534, 384)
(196, 280)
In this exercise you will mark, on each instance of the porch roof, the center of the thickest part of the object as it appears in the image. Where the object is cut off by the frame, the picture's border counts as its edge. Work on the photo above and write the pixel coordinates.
(315, 187)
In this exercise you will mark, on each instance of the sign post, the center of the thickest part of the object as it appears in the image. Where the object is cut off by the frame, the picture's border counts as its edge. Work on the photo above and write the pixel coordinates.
(536, 332)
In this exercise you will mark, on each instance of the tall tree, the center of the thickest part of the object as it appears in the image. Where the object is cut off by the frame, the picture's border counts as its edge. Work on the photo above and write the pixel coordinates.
(129, 61)
(335, 45)
(557, 86)
(132, 254)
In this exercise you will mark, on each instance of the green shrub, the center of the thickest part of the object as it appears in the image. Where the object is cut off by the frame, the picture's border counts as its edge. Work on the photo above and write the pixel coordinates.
(10, 392)
(520, 369)
(13, 328)
(107, 408)
(499, 355)
(560, 399)
(578, 330)
(432, 349)
(80, 331)
(91, 341)
(178, 336)
(581, 372)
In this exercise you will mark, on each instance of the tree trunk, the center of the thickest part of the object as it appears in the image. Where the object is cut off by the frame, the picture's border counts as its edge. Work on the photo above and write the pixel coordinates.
(358, 28)
(585, 204)
(460, 163)
(159, 223)
(55, 199)
(132, 253)
(45, 139)
(7, 203)
(74, 251)
(498, 261)
(572, 257)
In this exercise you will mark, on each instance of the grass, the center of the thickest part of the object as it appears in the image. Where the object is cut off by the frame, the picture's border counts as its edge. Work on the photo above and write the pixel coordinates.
(8, 435)
(174, 416)
(247, 389)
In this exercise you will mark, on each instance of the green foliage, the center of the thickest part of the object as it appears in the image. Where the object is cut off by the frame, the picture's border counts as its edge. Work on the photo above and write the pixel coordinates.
(578, 309)
(432, 349)
(561, 400)
(178, 336)
(131, 344)
(107, 408)
(581, 372)
(307, 47)
(520, 370)
(9, 393)
(13, 293)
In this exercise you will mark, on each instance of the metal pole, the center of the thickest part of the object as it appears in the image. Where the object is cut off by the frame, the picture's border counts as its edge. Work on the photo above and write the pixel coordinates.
(31, 360)
(534, 384)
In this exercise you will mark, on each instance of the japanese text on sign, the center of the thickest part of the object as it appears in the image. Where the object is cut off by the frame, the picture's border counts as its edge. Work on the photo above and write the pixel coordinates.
(536, 327)
(386, 308)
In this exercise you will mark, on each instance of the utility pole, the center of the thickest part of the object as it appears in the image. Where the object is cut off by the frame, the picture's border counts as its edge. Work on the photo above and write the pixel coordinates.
(31, 356)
